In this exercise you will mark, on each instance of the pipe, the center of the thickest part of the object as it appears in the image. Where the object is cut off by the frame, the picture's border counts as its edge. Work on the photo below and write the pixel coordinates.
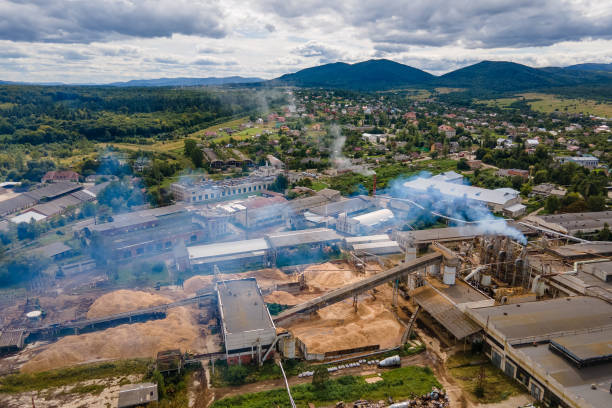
(549, 231)
(585, 262)
(272, 346)
(473, 273)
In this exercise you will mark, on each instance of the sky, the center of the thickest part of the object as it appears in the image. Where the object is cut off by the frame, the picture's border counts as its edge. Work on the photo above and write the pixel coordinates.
(101, 41)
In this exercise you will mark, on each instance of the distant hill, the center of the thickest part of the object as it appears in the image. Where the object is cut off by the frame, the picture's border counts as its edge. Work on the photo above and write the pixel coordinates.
(211, 81)
(368, 75)
(591, 67)
(510, 76)
(496, 76)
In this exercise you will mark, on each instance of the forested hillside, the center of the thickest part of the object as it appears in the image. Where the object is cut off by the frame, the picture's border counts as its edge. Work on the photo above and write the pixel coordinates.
(38, 114)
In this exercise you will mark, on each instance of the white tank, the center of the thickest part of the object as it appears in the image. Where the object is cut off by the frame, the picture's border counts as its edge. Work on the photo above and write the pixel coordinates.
(485, 280)
(411, 253)
(449, 275)
(390, 361)
(434, 269)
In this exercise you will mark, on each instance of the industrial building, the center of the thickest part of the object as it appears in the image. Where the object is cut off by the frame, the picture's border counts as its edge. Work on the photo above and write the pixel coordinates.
(422, 238)
(497, 200)
(559, 349)
(248, 329)
(256, 212)
(251, 254)
(208, 190)
(259, 252)
(365, 223)
(155, 230)
(372, 245)
(137, 395)
(48, 193)
(586, 223)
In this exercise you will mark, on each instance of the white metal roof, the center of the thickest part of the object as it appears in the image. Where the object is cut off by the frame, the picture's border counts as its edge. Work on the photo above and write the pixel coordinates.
(27, 216)
(498, 196)
(366, 238)
(227, 248)
(375, 217)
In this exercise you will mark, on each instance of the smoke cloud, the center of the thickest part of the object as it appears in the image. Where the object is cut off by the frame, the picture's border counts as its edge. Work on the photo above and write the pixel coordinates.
(430, 205)
(339, 161)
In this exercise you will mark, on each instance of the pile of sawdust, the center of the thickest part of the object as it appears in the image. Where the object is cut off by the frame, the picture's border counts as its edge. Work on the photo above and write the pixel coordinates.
(198, 282)
(266, 278)
(338, 327)
(328, 276)
(177, 330)
(282, 298)
(122, 301)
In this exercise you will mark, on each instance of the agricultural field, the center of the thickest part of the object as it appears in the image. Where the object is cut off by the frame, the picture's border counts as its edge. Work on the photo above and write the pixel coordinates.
(552, 103)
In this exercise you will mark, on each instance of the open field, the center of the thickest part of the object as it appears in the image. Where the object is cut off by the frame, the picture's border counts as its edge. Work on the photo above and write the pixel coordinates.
(552, 103)
(401, 383)
(497, 386)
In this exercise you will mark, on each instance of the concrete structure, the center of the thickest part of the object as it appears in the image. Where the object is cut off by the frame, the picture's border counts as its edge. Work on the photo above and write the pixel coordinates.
(248, 329)
(27, 216)
(559, 349)
(497, 200)
(590, 162)
(134, 395)
(547, 189)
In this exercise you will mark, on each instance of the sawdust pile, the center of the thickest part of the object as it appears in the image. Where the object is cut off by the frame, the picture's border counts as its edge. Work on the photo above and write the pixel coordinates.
(338, 327)
(283, 298)
(124, 301)
(266, 278)
(328, 276)
(178, 330)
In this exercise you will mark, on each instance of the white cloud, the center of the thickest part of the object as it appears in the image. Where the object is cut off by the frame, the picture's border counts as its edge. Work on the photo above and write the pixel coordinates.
(111, 40)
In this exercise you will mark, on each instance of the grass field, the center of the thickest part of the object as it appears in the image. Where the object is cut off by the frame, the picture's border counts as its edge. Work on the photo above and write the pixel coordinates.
(401, 383)
(552, 103)
(497, 386)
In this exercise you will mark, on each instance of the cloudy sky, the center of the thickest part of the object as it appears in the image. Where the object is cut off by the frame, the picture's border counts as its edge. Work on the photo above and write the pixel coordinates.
(96, 41)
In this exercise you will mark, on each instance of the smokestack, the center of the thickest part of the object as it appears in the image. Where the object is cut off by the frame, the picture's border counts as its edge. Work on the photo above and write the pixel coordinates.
(374, 186)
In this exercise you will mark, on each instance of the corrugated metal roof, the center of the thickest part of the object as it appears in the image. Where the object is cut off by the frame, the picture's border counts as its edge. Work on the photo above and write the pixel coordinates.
(300, 237)
(375, 217)
(499, 196)
(445, 313)
(227, 248)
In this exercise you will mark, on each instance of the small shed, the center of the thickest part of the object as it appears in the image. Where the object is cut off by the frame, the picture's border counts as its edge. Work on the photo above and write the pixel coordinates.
(133, 395)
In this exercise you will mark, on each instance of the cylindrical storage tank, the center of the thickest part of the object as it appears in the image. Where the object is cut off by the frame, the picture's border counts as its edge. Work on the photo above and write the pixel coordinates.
(34, 315)
(390, 361)
(449, 275)
(485, 280)
(411, 253)
(433, 269)
(400, 405)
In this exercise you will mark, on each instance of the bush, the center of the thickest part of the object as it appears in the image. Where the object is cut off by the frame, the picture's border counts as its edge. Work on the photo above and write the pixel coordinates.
(236, 375)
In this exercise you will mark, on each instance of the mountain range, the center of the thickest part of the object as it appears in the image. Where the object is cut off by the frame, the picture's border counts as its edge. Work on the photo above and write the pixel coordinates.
(383, 74)
(486, 75)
